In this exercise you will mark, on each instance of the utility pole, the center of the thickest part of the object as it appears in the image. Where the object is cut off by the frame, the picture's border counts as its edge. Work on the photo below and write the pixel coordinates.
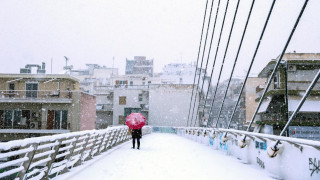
(112, 70)
(51, 65)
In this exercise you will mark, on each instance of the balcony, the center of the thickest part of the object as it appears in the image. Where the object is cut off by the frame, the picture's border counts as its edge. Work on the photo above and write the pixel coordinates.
(35, 131)
(35, 96)
(144, 107)
(104, 107)
(124, 86)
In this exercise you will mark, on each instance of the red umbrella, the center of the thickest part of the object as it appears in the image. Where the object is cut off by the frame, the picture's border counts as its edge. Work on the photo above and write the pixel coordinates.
(135, 121)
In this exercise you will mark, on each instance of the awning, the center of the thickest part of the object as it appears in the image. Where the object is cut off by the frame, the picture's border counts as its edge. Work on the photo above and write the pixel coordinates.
(264, 106)
(310, 105)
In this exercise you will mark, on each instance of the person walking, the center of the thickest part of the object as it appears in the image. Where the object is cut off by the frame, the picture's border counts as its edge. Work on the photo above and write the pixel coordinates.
(136, 135)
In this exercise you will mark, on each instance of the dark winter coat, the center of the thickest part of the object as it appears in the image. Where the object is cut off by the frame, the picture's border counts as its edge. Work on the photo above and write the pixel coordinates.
(136, 133)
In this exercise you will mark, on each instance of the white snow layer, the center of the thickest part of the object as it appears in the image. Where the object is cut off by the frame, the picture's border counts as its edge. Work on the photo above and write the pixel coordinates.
(164, 156)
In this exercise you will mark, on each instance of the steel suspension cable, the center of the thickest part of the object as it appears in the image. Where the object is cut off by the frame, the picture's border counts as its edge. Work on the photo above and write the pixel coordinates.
(252, 61)
(236, 59)
(308, 91)
(277, 64)
(218, 42)
(225, 14)
(195, 73)
(207, 62)
(205, 102)
(226, 50)
(204, 49)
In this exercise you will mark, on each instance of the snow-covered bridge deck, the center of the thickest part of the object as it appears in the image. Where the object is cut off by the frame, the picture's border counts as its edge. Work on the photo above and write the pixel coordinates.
(187, 153)
(165, 156)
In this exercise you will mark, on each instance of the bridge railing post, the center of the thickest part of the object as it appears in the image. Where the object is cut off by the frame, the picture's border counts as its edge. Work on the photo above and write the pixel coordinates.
(27, 163)
(53, 157)
(83, 150)
(100, 144)
(69, 156)
(106, 141)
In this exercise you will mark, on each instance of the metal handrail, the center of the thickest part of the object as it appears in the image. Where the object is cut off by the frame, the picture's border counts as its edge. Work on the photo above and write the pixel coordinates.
(315, 144)
(52, 155)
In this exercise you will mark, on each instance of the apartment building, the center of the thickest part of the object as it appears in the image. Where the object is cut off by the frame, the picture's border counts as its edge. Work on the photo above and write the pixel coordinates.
(178, 73)
(139, 65)
(296, 72)
(94, 75)
(41, 104)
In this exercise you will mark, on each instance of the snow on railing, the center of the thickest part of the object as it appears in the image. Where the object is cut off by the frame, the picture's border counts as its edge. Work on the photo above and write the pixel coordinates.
(296, 159)
(48, 156)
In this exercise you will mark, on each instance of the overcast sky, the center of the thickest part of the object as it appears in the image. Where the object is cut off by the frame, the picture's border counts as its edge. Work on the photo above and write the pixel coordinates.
(94, 31)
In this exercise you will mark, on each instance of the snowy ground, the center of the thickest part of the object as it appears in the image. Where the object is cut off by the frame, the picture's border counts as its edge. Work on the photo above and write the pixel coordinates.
(164, 156)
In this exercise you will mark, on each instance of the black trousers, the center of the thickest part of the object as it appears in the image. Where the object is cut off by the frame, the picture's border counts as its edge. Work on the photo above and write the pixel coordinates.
(134, 142)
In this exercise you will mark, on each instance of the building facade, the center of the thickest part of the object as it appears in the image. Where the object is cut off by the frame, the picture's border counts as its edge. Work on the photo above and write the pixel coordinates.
(36, 105)
(178, 73)
(169, 104)
(94, 75)
(139, 65)
(296, 72)
(231, 98)
(253, 85)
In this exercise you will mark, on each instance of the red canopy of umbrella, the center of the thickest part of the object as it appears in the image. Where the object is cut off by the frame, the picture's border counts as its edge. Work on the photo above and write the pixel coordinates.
(135, 121)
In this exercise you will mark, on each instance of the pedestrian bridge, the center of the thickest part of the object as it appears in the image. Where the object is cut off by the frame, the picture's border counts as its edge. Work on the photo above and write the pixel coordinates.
(166, 153)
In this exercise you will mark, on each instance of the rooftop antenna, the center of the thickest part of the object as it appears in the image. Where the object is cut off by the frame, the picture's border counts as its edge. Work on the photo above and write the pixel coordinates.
(67, 67)
(111, 83)
(112, 64)
(67, 59)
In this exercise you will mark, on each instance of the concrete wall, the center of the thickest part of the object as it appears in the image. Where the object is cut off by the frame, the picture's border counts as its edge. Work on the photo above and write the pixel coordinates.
(88, 112)
(169, 105)
(136, 79)
(294, 161)
(65, 82)
(250, 95)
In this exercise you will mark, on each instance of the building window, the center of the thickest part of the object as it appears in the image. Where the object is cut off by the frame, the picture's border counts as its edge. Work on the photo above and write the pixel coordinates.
(32, 90)
(149, 82)
(122, 100)
(121, 83)
(143, 83)
(131, 83)
(57, 119)
(12, 118)
(11, 88)
(60, 120)
(121, 119)
(140, 97)
(276, 82)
